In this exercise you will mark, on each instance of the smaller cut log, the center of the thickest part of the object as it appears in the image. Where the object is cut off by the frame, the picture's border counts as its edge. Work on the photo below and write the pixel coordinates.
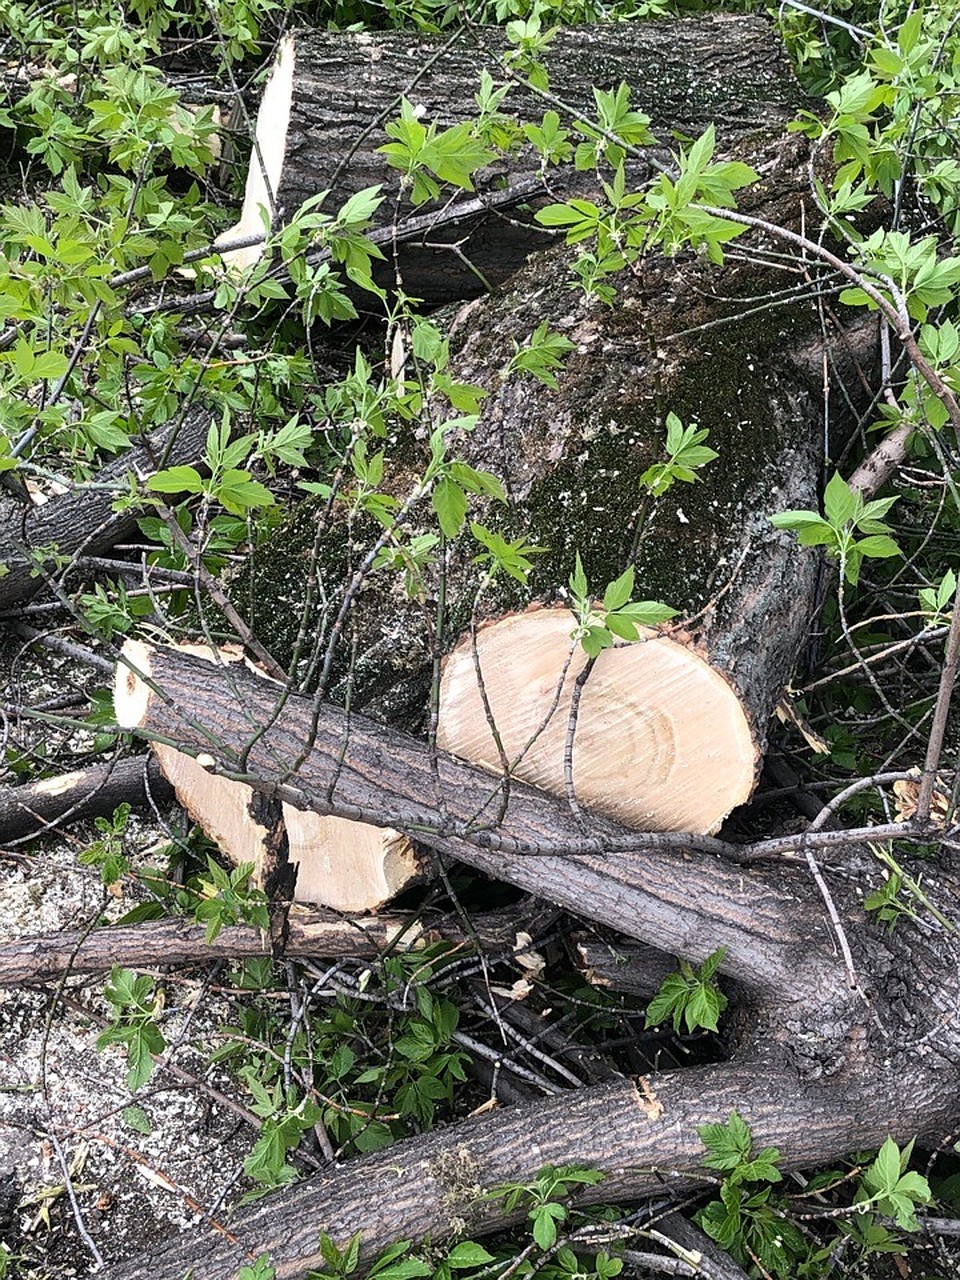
(82, 520)
(320, 127)
(29, 810)
(348, 866)
(661, 741)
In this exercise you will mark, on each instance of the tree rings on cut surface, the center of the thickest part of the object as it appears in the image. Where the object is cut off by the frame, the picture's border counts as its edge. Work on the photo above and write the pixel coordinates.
(662, 741)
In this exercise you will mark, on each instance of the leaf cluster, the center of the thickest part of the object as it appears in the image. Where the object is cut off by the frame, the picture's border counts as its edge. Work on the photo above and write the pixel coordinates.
(846, 514)
(619, 618)
(690, 997)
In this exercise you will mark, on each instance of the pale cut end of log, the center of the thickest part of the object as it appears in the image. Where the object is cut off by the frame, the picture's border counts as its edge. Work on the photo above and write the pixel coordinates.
(266, 162)
(348, 866)
(662, 741)
(131, 693)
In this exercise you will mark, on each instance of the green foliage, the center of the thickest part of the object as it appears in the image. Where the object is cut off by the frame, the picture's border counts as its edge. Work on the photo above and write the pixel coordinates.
(106, 852)
(619, 618)
(260, 1270)
(846, 515)
(901, 894)
(395, 1262)
(226, 483)
(892, 1188)
(691, 996)
(227, 898)
(513, 558)
(686, 455)
(544, 352)
(428, 156)
(134, 1025)
(934, 601)
(545, 1198)
(369, 1070)
(746, 1220)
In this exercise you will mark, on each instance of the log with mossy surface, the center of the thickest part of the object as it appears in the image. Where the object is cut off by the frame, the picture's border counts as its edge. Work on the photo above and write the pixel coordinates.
(321, 125)
(694, 702)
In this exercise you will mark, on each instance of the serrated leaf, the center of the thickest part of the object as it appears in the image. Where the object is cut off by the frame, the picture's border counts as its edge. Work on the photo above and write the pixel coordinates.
(450, 504)
(578, 580)
(620, 590)
(468, 1254)
(878, 547)
(647, 613)
(840, 503)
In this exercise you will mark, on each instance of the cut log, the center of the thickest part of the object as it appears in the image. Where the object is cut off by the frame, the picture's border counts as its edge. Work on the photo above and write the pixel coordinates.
(322, 116)
(347, 866)
(154, 943)
(314, 757)
(662, 742)
(82, 520)
(720, 348)
(34, 808)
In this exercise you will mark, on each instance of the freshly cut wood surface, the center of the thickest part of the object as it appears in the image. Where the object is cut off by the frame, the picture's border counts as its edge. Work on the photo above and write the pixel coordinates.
(348, 866)
(662, 741)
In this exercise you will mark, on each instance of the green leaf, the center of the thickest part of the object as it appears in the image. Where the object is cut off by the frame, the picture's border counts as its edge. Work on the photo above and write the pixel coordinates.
(840, 503)
(468, 1254)
(450, 504)
(238, 492)
(619, 591)
(728, 1145)
(877, 547)
(578, 581)
(176, 480)
(136, 1118)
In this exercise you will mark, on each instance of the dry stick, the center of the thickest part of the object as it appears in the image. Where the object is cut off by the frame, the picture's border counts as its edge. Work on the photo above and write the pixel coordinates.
(85, 1235)
(948, 677)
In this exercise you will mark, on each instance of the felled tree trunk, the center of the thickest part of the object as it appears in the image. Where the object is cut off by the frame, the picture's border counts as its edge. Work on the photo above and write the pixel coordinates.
(682, 338)
(321, 124)
(820, 1069)
(314, 757)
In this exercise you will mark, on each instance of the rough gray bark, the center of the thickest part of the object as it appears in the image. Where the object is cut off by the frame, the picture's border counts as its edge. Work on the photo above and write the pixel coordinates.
(640, 1135)
(81, 521)
(310, 932)
(685, 74)
(314, 757)
(31, 809)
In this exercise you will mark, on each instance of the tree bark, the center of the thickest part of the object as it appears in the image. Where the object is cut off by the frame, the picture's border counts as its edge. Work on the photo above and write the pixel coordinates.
(82, 521)
(34, 808)
(342, 88)
(48, 956)
(641, 1135)
(315, 757)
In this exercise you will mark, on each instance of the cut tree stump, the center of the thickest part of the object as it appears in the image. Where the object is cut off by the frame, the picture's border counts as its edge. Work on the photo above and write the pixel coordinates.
(661, 741)
(322, 117)
(726, 349)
